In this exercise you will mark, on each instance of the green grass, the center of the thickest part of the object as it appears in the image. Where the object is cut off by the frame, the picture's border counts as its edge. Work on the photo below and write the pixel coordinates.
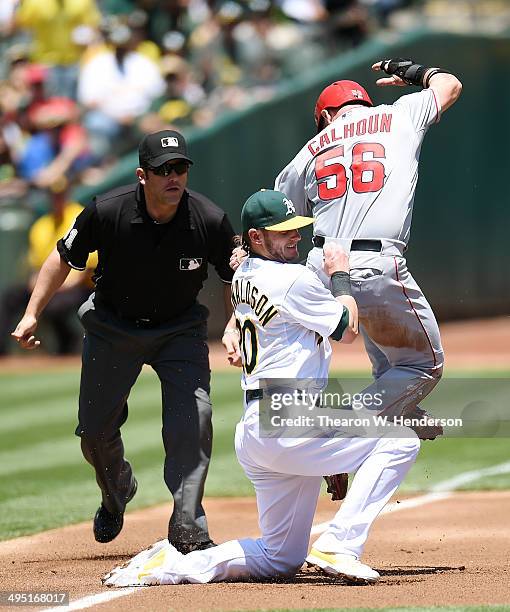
(45, 482)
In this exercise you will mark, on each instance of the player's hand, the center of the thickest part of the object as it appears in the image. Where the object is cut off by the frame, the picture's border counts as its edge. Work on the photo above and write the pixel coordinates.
(237, 257)
(230, 341)
(24, 333)
(335, 259)
(388, 80)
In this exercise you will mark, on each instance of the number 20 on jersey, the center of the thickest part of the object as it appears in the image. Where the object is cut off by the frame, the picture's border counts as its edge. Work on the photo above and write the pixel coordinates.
(248, 342)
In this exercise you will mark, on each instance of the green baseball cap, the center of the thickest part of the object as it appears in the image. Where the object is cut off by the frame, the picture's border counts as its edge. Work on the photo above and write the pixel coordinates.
(271, 210)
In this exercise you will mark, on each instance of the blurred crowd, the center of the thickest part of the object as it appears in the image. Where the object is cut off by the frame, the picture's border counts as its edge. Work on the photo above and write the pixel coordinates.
(82, 80)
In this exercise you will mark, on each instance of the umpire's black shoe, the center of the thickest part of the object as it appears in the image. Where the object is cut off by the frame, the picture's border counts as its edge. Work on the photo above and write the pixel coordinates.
(187, 547)
(108, 525)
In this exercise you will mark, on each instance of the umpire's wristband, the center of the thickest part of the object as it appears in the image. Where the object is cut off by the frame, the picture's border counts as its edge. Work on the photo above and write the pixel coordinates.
(340, 284)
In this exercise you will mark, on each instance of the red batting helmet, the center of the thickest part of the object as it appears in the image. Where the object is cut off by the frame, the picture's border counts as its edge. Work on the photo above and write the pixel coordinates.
(340, 93)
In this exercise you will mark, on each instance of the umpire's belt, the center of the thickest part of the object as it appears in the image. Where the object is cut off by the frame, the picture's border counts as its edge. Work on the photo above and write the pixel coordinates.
(141, 323)
(253, 394)
(356, 245)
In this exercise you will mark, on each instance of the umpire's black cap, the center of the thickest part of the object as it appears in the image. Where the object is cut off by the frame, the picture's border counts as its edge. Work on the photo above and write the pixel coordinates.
(160, 147)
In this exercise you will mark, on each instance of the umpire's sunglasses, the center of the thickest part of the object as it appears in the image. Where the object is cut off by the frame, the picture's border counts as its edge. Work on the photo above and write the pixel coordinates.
(167, 168)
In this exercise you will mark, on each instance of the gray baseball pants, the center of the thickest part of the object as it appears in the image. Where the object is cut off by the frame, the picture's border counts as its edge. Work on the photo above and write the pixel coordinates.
(399, 329)
(114, 352)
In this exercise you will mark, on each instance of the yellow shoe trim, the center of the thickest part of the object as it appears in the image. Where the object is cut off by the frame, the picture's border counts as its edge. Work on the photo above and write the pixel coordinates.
(330, 558)
(156, 561)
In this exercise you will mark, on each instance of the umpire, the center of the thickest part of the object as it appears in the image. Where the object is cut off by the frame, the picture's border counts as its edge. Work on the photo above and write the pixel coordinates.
(154, 241)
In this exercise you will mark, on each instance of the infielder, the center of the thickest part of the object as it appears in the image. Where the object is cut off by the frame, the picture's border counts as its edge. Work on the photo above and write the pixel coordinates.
(286, 315)
(358, 178)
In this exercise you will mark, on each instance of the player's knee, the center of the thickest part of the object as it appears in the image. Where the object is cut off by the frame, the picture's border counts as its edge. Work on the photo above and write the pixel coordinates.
(438, 372)
(433, 374)
(431, 365)
(287, 569)
(429, 376)
(430, 372)
(287, 565)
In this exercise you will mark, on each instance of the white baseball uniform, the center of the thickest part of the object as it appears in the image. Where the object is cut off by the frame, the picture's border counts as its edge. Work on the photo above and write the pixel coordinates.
(358, 178)
(282, 311)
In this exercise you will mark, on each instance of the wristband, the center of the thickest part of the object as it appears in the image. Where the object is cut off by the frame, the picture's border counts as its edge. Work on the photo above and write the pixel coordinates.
(432, 72)
(340, 284)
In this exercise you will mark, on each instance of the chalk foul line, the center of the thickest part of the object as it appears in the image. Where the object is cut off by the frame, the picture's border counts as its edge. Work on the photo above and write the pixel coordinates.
(94, 600)
(441, 490)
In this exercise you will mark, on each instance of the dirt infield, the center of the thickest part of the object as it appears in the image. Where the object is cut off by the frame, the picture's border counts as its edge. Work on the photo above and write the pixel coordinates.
(449, 552)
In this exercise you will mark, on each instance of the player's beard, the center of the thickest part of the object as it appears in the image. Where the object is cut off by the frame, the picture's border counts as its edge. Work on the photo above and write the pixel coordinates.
(282, 253)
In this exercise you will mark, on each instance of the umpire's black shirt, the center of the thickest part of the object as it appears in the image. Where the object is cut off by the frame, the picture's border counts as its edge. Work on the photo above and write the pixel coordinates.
(149, 271)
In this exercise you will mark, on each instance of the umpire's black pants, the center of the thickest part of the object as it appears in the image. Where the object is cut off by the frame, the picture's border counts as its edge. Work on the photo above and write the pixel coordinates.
(114, 352)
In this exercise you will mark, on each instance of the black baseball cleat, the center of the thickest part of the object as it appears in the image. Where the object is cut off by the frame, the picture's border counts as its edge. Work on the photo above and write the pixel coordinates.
(187, 547)
(108, 525)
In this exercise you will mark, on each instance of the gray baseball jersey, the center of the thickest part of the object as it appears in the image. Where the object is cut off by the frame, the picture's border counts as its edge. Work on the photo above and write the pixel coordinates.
(358, 176)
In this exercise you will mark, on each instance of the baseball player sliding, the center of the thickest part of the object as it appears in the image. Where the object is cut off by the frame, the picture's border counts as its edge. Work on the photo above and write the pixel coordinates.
(285, 316)
(358, 178)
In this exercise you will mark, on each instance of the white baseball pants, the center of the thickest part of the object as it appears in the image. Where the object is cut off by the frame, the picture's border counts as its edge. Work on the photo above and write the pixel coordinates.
(287, 474)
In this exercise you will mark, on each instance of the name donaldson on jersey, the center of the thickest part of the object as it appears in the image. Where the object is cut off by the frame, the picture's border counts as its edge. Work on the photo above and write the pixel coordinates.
(246, 293)
(371, 125)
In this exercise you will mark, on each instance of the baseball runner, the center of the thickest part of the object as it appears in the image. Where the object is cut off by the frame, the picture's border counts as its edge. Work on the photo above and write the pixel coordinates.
(358, 177)
(285, 316)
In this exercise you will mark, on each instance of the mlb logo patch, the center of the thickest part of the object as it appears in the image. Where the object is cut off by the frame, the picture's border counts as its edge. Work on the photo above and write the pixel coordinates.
(170, 141)
(190, 263)
(356, 93)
